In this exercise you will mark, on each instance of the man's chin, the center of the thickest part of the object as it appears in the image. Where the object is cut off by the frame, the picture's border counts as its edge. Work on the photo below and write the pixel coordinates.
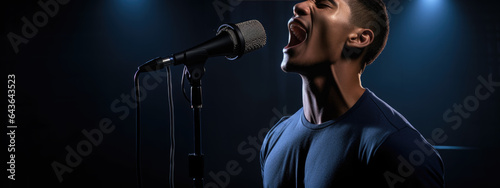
(288, 66)
(284, 63)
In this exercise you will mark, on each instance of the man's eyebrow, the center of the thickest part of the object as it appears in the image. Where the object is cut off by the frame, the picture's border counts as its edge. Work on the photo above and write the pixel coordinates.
(333, 3)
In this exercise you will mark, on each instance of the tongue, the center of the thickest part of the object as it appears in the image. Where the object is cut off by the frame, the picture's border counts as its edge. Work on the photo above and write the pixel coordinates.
(298, 35)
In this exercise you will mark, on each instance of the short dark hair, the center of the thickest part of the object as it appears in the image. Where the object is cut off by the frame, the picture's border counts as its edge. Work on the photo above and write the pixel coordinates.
(371, 14)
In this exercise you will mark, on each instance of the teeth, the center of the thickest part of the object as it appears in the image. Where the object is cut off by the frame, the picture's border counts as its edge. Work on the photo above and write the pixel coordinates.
(298, 31)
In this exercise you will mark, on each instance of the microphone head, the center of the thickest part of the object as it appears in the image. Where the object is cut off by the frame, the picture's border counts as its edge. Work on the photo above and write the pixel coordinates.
(246, 36)
(253, 33)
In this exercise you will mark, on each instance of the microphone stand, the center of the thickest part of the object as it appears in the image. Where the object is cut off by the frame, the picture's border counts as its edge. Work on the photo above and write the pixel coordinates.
(196, 163)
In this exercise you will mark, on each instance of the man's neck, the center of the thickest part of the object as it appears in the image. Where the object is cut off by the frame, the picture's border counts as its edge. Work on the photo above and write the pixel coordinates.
(328, 95)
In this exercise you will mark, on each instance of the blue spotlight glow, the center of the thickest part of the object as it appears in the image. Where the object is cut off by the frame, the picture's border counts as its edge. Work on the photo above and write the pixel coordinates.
(454, 148)
(432, 2)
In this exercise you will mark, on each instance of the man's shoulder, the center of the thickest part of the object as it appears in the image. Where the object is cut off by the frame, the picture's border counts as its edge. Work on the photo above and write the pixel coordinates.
(380, 124)
(275, 132)
(394, 130)
(403, 147)
(388, 113)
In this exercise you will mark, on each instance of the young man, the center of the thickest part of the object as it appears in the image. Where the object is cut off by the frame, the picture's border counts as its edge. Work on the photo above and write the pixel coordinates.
(344, 136)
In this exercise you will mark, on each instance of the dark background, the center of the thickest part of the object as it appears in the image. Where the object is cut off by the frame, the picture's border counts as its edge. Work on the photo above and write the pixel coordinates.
(74, 72)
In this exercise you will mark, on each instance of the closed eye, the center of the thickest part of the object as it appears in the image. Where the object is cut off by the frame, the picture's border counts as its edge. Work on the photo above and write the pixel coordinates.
(322, 5)
(325, 3)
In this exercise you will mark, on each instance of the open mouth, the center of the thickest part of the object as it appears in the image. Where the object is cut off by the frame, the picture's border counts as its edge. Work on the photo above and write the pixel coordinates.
(298, 34)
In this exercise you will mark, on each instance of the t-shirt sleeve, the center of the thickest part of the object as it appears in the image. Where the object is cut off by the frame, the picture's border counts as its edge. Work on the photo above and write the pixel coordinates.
(262, 158)
(406, 159)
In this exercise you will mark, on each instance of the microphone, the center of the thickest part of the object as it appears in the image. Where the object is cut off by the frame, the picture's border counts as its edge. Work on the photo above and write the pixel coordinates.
(231, 40)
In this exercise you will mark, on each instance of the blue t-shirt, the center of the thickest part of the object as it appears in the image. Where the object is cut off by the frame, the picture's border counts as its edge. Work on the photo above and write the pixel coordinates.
(371, 145)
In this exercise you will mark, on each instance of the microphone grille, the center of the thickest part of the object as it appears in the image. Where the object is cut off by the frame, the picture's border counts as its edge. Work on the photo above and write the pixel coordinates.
(254, 35)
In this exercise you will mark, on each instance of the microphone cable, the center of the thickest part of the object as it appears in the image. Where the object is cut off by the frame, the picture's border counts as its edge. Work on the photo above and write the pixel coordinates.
(138, 127)
(172, 127)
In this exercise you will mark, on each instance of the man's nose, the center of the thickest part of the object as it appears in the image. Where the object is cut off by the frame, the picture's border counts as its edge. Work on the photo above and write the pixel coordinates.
(302, 8)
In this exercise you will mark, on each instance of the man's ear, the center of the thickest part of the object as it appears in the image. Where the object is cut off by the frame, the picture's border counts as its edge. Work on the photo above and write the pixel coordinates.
(360, 38)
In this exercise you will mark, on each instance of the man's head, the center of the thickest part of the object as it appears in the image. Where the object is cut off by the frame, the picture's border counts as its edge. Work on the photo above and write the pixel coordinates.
(325, 32)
